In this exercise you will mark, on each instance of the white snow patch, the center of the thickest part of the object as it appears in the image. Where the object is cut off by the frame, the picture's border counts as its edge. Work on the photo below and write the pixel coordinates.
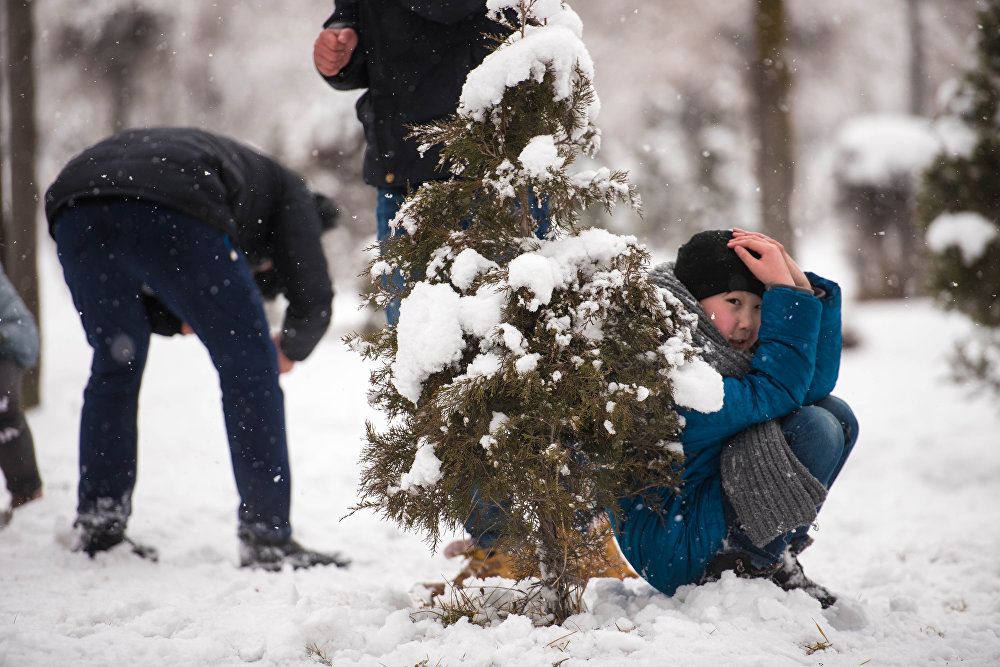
(697, 386)
(970, 232)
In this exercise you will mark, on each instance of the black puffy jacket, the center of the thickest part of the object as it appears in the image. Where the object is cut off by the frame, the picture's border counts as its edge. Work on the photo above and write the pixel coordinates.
(413, 57)
(264, 207)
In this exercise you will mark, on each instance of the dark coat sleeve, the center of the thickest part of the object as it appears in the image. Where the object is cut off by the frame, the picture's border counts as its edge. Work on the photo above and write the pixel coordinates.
(354, 75)
(301, 266)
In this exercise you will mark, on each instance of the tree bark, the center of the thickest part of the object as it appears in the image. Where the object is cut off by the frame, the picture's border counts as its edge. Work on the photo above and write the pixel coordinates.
(19, 240)
(775, 156)
(917, 73)
(560, 589)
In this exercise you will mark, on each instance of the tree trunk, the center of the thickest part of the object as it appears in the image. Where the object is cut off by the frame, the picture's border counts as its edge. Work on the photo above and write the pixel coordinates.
(560, 589)
(19, 241)
(772, 86)
(917, 74)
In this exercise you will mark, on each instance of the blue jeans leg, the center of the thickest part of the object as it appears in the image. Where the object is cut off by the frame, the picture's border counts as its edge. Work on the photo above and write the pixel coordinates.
(389, 201)
(108, 251)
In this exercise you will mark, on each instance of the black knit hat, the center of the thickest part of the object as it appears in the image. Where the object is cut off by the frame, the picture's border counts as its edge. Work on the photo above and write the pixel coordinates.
(707, 266)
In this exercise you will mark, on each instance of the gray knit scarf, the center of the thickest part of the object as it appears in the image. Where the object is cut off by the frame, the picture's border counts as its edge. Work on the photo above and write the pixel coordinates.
(768, 487)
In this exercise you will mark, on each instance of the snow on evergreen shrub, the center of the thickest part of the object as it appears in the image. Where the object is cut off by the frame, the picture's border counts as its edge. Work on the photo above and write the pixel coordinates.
(532, 376)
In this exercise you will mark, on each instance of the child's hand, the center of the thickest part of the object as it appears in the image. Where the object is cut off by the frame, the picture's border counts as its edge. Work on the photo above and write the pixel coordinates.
(770, 267)
(798, 276)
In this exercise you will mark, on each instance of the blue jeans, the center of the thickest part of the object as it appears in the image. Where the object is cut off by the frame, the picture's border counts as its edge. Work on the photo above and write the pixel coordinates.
(389, 201)
(109, 249)
(821, 436)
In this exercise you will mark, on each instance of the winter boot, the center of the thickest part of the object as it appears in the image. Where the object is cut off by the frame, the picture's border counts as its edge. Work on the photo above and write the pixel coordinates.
(95, 537)
(272, 556)
(790, 576)
(739, 563)
(786, 575)
(610, 562)
(17, 500)
(483, 563)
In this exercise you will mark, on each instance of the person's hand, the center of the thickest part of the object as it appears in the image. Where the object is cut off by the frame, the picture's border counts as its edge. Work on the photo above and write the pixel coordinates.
(770, 267)
(284, 363)
(333, 49)
(798, 276)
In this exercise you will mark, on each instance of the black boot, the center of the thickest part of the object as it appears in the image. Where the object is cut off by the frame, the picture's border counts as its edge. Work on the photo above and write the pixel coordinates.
(95, 537)
(786, 575)
(790, 576)
(738, 562)
(271, 556)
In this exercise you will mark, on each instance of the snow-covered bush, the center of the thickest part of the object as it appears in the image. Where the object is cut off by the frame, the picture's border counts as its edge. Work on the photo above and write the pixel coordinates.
(531, 376)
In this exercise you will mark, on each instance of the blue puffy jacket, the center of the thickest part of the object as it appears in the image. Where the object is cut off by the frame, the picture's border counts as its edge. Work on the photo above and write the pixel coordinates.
(796, 363)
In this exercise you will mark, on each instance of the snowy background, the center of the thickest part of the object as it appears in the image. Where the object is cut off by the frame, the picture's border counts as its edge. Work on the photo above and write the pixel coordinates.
(905, 538)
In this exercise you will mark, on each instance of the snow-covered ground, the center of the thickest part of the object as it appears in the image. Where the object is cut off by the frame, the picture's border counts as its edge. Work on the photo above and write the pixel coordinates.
(905, 537)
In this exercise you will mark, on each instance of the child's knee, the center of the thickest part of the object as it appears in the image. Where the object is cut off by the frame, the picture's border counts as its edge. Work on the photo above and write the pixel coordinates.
(816, 438)
(842, 412)
(814, 424)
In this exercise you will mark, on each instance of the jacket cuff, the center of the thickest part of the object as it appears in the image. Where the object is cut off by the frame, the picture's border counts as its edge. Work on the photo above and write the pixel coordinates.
(815, 291)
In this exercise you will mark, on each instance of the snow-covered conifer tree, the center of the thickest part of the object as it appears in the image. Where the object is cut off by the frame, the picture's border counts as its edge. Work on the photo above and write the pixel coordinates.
(960, 204)
(534, 376)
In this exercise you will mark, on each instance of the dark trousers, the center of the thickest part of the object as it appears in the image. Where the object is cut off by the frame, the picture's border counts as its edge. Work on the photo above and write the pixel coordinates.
(17, 448)
(109, 249)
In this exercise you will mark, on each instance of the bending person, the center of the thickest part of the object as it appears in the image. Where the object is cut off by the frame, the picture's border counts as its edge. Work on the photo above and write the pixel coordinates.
(186, 216)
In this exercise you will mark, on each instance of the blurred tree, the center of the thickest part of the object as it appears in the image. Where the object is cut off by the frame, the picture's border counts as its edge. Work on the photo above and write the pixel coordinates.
(694, 169)
(960, 205)
(122, 44)
(877, 162)
(19, 202)
(772, 82)
(918, 69)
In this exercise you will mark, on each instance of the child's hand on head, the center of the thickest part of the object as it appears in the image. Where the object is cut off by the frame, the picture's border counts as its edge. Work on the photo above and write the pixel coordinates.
(798, 276)
(770, 267)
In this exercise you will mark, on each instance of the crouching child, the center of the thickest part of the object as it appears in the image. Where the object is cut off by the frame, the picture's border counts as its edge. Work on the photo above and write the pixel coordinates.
(757, 470)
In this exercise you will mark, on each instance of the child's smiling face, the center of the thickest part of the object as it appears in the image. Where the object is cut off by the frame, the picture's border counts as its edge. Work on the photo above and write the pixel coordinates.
(736, 315)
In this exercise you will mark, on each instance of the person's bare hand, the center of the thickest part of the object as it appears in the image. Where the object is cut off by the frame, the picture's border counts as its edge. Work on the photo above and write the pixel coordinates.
(770, 267)
(284, 363)
(799, 278)
(333, 49)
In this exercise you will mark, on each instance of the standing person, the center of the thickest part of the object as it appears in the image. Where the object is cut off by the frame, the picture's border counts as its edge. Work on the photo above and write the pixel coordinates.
(756, 469)
(185, 217)
(18, 351)
(413, 59)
